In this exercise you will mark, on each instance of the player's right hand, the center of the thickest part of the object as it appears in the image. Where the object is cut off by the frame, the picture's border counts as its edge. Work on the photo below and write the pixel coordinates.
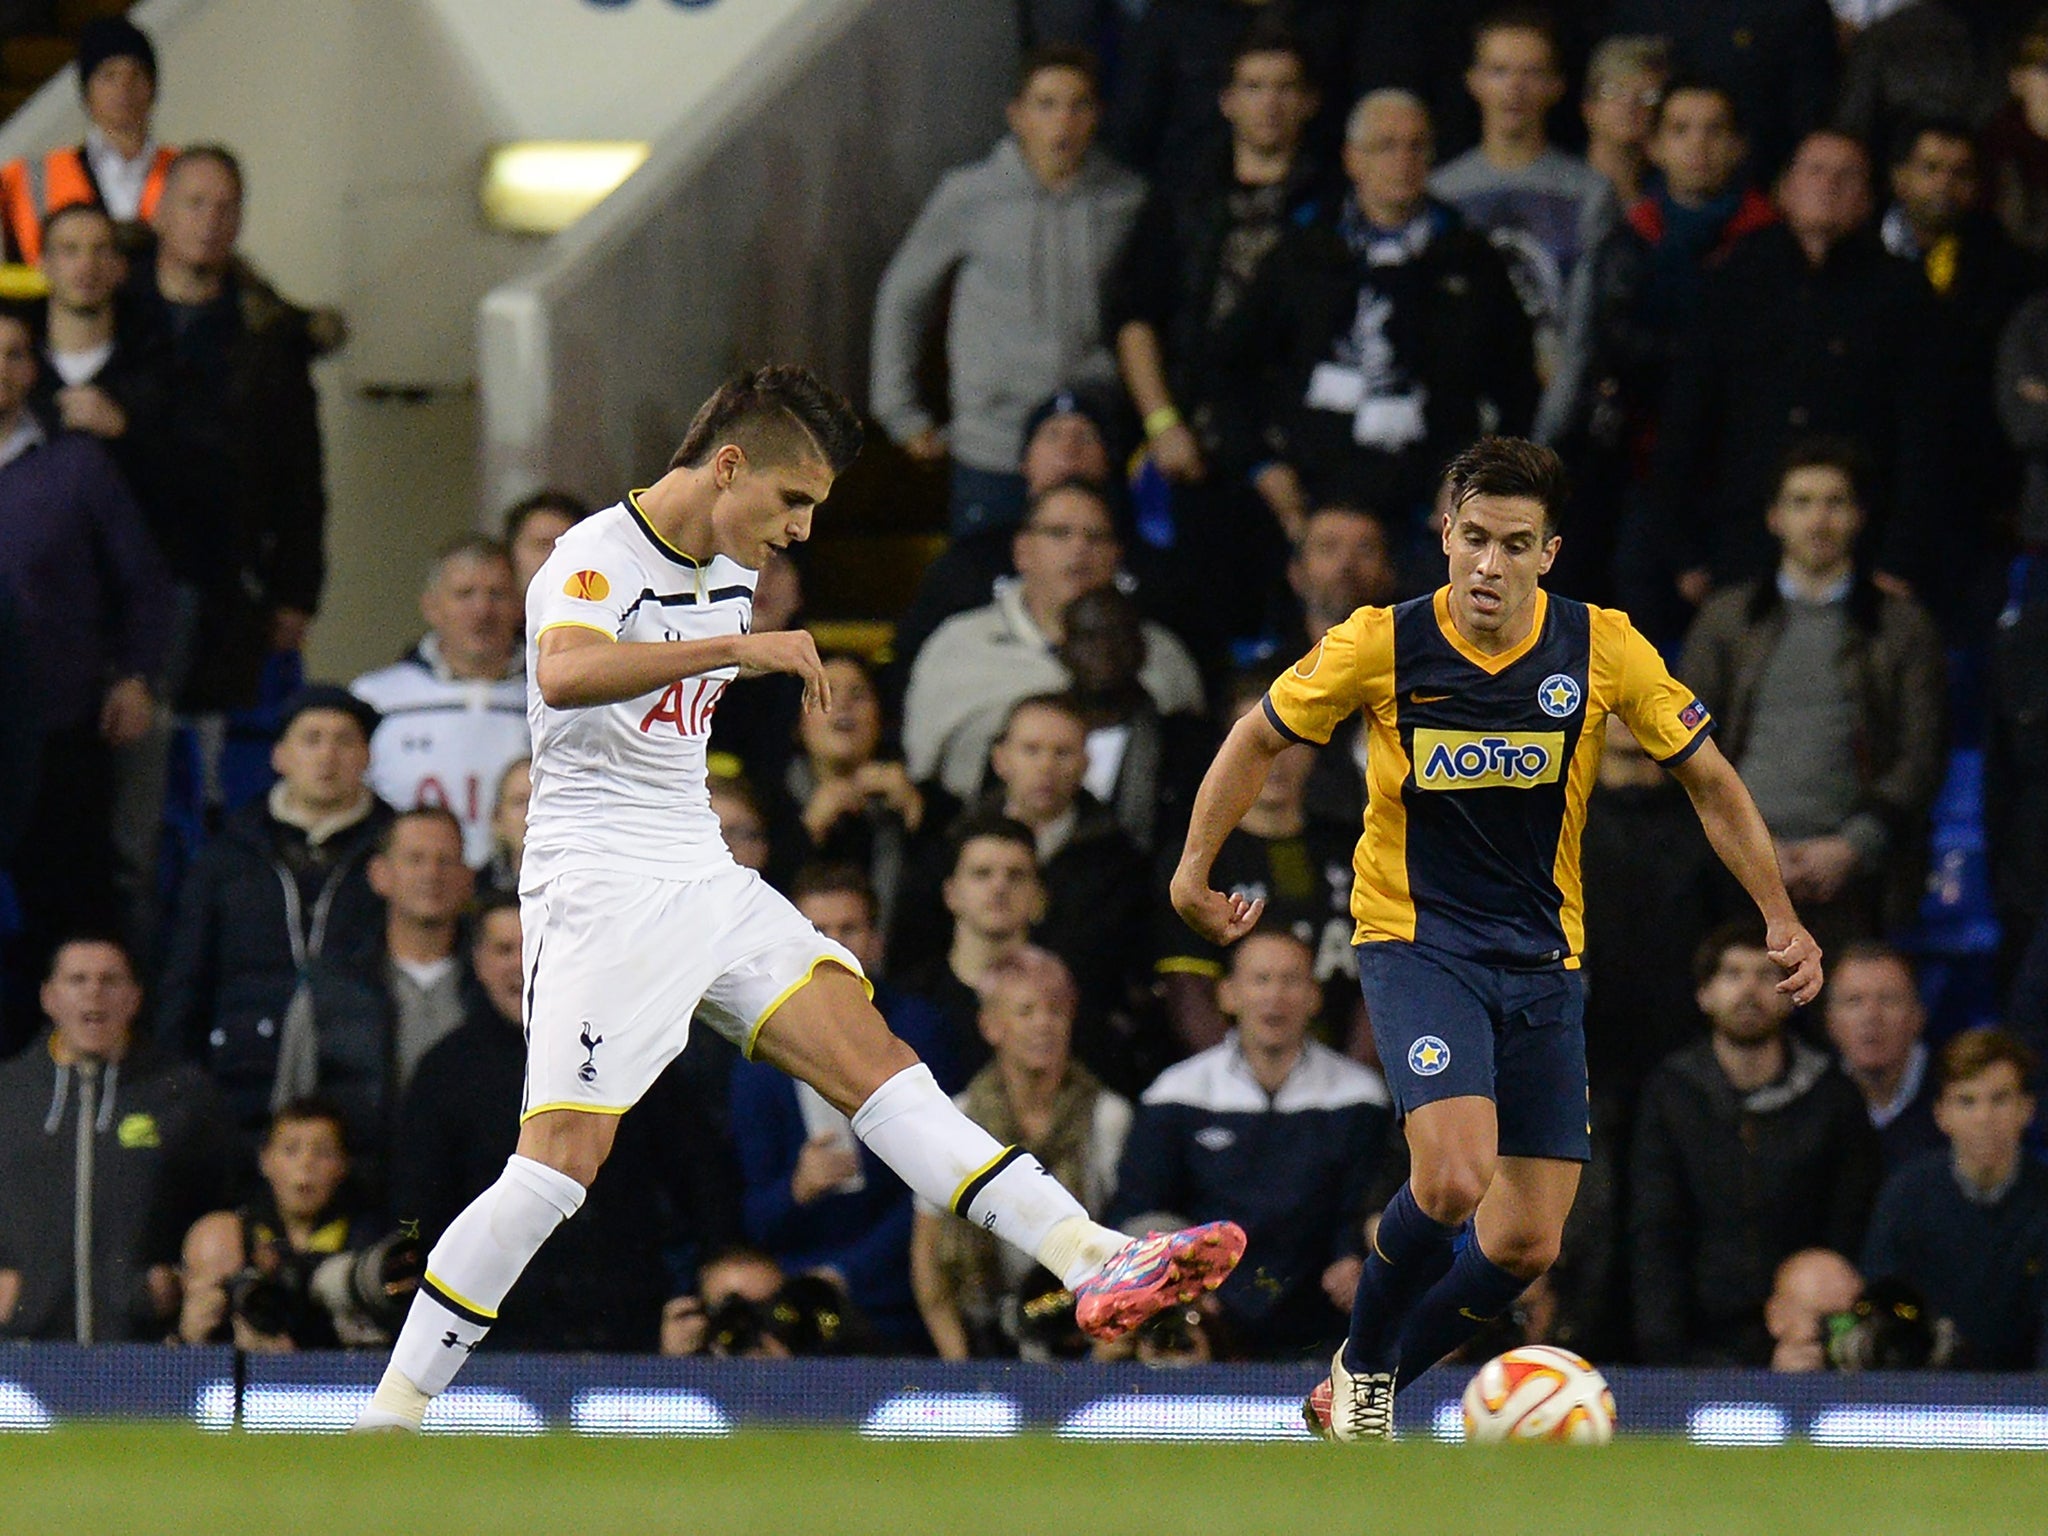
(1216, 917)
(792, 651)
(1793, 948)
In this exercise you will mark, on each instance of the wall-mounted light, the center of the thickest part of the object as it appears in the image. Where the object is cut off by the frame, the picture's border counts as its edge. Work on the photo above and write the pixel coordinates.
(542, 186)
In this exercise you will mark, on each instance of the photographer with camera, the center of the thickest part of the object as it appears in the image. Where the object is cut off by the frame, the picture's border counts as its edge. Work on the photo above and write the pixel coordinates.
(294, 1268)
(747, 1308)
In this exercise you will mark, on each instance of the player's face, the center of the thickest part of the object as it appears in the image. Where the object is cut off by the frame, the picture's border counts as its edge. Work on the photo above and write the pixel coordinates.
(994, 888)
(422, 878)
(1816, 518)
(1040, 760)
(1054, 119)
(1825, 191)
(1066, 549)
(1029, 1027)
(1514, 78)
(1696, 145)
(474, 611)
(322, 759)
(496, 957)
(508, 813)
(1342, 562)
(765, 507)
(17, 366)
(1874, 1014)
(199, 218)
(846, 917)
(1499, 548)
(1271, 991)
(1937, 183)
(81, 263)
(304, 1164)
(847, 734)
(1066, 446)
(1622, 109)
(120, 96)
(1741, 999)
(1388, 163)
(92, 999)
(1985, 1116)
(1268, 102)
(532, 545)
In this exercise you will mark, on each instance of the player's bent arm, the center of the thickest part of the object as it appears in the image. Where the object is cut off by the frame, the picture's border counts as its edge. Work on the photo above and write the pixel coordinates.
(579, 667)
(1740, 839)
(1228, 789)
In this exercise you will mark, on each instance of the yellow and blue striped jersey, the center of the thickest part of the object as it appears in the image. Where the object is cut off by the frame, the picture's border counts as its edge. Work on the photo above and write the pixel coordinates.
(1478, 766)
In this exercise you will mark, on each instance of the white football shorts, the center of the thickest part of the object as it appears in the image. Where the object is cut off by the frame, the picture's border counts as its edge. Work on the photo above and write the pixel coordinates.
(617, 964)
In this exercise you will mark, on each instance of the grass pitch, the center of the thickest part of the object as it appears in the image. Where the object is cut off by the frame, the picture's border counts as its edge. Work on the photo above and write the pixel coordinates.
(139, 1481)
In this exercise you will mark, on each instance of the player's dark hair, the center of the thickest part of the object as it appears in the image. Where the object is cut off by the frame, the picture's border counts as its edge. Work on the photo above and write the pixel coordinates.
(1509, 466)
(1737, 933)
(1268, 33)
(304, 1110)
(1058, 703)
(388, 838)
(1906, 138)
(74, 937)
(1974, 1050)
(74, 211)
(1036, 61)
(1518, 18)
(1842, 454)
(833, 879)
(775, 415)
(1703, 85)
(1073, 485)
(980, 824)
(219, 154)
(561, 503)
(490, 901)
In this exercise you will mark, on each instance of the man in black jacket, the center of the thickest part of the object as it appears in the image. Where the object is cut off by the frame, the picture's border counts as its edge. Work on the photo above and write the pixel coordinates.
(160, 1156)
(1808, 328)
(670, 1182)
(1374, 344)
(1749, 1146)
(278, 934)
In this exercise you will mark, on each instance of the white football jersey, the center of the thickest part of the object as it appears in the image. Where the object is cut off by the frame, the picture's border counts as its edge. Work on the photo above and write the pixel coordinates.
(444, 740)
(622, 786)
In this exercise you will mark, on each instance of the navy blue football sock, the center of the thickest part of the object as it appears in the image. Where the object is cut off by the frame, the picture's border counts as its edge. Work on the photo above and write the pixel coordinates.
(1476, 1291)
(1410, 1253)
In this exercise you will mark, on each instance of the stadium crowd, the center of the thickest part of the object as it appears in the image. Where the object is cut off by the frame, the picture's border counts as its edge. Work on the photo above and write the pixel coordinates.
(1774, 281)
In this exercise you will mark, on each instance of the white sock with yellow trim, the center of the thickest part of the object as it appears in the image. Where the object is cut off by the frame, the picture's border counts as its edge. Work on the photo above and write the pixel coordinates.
(468, 1273)
(952, 1162)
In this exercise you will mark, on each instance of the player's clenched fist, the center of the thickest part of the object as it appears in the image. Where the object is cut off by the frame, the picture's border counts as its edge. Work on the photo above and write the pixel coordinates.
(1216, 917)
(792, 651)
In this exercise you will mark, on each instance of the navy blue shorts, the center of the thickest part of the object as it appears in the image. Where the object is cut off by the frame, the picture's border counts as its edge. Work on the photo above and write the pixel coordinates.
(1449, 1028)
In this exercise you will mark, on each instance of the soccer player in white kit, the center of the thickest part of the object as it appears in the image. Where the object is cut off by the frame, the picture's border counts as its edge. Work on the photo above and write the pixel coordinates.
(637, 917)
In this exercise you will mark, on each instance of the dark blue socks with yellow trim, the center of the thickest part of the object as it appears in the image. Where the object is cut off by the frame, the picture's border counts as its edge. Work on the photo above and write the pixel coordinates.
(1471, 1295)
(1409, 1254)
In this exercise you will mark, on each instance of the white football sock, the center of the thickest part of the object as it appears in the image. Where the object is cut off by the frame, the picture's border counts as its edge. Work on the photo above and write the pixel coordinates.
(470, 1270)
(953, 1163)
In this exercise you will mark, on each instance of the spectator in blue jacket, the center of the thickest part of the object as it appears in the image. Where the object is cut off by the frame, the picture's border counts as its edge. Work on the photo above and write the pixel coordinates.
(814, 1196)
(1276, 1133)
(1968, 1226)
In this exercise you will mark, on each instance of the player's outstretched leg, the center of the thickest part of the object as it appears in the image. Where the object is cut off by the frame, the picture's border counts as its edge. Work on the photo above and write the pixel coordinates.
(828, 1034)
(469, 1272)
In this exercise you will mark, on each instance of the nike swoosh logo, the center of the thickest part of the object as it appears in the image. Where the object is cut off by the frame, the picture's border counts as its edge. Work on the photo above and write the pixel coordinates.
(1427, 698)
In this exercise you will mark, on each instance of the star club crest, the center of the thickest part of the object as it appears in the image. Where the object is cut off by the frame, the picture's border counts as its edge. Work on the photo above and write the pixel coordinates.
(1559, 695)
(1428, 1056)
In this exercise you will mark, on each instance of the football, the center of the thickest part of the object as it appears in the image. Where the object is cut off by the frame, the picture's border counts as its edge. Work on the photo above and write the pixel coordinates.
(1539, 1393)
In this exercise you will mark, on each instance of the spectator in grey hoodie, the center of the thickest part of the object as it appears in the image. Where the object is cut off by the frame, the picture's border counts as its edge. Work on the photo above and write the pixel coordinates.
(1029, 237)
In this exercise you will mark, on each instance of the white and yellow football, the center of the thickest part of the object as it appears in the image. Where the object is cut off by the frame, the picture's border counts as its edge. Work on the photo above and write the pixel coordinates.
(1539, 1392)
